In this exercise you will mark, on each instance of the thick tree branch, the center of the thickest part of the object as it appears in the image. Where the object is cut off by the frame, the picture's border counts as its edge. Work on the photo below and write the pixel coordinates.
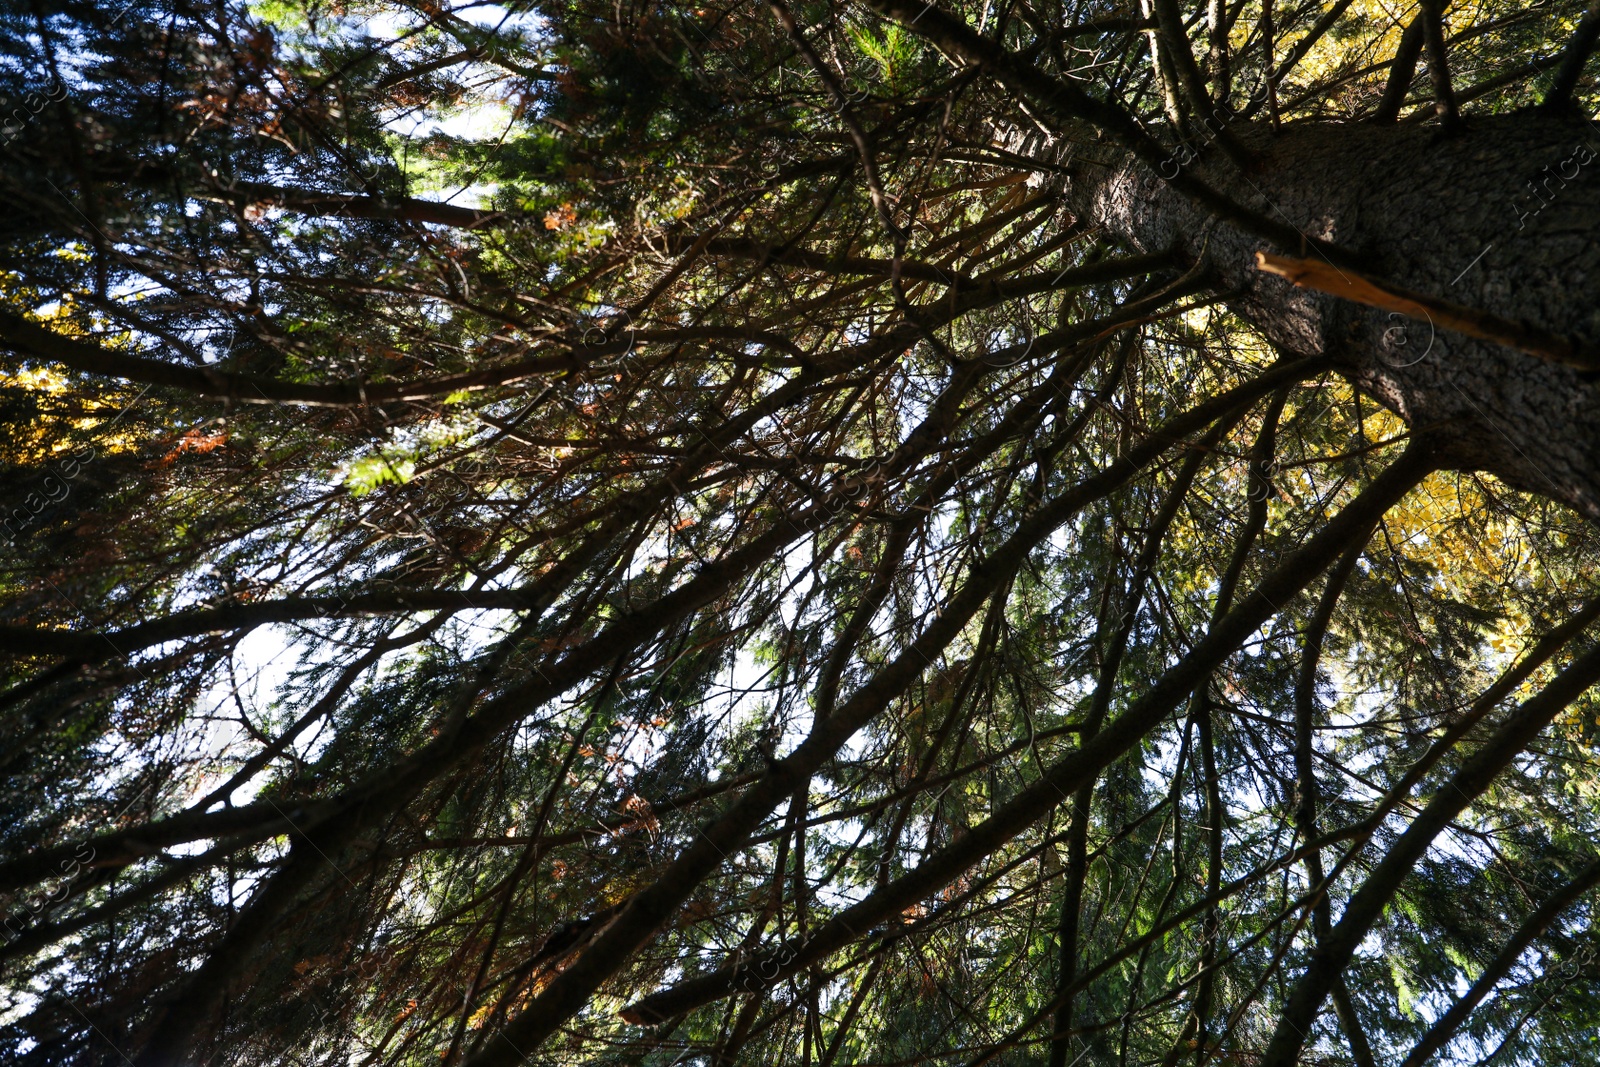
(1573, 59)
(1374, 894)
(1444, 97)
(1401, 70)
(1534, 925)
(355, 206)
(1069, 108)
(653, 906)
(91, 646)
(31, 340)
(1352, 524)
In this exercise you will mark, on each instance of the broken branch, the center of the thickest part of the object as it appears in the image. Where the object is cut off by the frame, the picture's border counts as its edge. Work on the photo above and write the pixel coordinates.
(1347, 284)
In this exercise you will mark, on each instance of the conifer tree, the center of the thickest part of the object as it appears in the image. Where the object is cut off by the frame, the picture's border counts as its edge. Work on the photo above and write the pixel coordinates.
(821, 532)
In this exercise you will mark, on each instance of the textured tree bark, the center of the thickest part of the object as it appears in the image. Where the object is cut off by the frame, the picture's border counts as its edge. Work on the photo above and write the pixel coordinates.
(1503, 218)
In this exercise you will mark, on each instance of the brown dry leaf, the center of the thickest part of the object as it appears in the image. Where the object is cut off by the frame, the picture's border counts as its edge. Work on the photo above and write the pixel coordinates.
(561, 217)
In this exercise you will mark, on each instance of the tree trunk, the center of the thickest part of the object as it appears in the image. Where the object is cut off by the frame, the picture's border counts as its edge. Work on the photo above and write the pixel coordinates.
(1500, 218)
